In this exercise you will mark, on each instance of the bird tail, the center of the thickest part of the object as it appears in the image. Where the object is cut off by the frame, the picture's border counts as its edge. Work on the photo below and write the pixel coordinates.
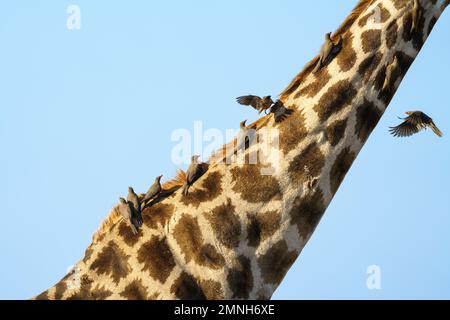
(185, 189)
(436, 130)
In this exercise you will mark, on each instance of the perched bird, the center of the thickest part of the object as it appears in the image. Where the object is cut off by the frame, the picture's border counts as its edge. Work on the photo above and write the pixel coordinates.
(416, 15)
(244, 136)
(195, 171)
(133, 200)
(390, 71)
(280, 112)
(260, 104)
(414, 122)
(328, 51)
(153, 191)
(126, 211)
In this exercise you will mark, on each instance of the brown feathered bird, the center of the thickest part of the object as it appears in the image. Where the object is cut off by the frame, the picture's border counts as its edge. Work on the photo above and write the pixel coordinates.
(260, 104)
(414, 122)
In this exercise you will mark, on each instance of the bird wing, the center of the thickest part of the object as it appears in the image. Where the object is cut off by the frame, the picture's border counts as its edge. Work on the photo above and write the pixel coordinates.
(404, 129)
(254, 101)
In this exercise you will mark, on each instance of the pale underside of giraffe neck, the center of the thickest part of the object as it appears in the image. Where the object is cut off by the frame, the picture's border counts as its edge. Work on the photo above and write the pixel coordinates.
(238, 231)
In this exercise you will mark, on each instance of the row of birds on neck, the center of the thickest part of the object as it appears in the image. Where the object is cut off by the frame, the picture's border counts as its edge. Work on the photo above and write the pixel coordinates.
(416, 121)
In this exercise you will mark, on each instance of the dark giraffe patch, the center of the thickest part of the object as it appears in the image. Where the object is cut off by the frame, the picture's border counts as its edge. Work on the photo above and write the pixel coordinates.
(384, 15)
(189, 237)
(400, 4)
(187, 288)
(307, 211)
(371, 40)
(415, 37)
(212, 290)
(157, 258)
(340, 168)
(158, 214)
(335, 99)
(347, 56)
(112, 261)
(391, 34)
(86, 292)
(135, 291)
(253, 186)
(368, 66)
(276, 262)
(314, 87)
(240, 278)
(335, 132)
(226, 224)
(100, 293)
(42, 296)
(292, 131)
(311, 157)
(60, 288)
(209, 189)
(367, 117)
(127, 234)
(261, 226)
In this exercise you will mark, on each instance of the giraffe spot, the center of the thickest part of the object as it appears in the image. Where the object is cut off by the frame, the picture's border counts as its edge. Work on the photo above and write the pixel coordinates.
(253, 186)
(367, 117)
(400, 4)
(415, 37)
(158, 214)
(276, 262)
(261, 226)
(187, 288)
(240, 278)
(431, 25)
(127, 234)
(226, 224)
(134, 291)
(189, 237)
(209, 189)
(60, 288)
(335, 132)
(157, 258)
(307, 211)
(86, 292)
(112, 261)
(347, 56)
(42, 296)
(368, 66)
(391, 34)
(312, 89)
(312, 158)
(100, 293)
(292, 131)
(335, 99)
(212, 290)
(384, 16)
(340, 168)
(371, 40)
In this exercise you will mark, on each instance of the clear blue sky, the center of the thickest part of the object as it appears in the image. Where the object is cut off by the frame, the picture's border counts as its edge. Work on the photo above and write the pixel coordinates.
(85, 113)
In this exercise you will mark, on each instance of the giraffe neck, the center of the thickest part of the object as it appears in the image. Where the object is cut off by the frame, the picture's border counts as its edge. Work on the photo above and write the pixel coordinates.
(238, 231)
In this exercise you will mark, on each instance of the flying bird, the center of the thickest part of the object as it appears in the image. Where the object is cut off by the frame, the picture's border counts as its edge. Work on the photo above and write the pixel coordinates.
(413, 123)
(152, 192)
(280, 112)
(258, 103)
(126, 211)
(328, 51)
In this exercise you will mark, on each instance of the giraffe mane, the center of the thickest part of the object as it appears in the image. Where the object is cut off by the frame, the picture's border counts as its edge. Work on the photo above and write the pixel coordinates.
(115, 217)
(346, 25)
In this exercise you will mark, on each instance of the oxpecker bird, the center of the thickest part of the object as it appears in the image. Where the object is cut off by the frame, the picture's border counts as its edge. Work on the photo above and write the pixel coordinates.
(416, 16)
(414, 122)
(280, 112)
(260, 104)
(195, 171)
(244, 136)
(390, 72)
(133, 200)
(154, 190)
(328, 51)
(126, 211)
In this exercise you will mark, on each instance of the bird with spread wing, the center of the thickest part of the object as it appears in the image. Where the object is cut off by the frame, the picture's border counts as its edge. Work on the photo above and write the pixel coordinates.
(415, 121)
